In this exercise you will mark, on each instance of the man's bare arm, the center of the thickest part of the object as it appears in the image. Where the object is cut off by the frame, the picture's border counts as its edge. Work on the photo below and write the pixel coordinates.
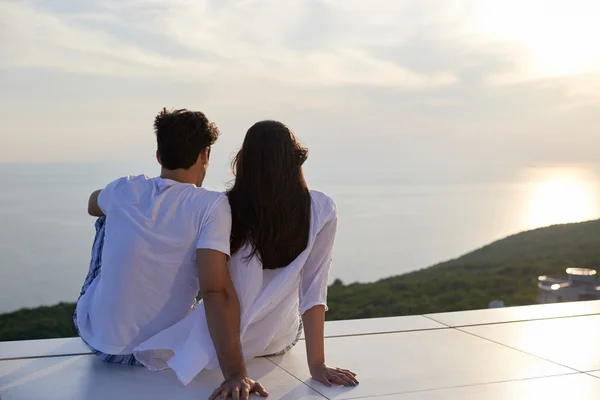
(223, 316)
(222, 310)
(93, 207)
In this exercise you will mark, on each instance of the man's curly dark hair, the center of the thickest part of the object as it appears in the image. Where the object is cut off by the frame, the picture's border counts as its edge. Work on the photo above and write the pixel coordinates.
(181, 136)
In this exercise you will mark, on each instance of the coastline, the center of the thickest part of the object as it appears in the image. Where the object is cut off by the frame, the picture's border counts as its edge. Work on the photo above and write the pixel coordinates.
(504, 270)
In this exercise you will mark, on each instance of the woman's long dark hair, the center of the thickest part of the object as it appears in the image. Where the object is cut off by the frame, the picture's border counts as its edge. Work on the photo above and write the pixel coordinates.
(270, 201)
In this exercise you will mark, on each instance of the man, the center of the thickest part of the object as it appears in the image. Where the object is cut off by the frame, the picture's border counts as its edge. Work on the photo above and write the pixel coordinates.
(160, 240)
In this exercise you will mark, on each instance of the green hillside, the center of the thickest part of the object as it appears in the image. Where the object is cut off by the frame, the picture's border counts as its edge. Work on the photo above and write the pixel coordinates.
(505, 270)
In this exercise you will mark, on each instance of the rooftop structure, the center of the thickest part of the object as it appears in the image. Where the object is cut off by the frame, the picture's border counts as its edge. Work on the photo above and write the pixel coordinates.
(532, 352)
(580, 284)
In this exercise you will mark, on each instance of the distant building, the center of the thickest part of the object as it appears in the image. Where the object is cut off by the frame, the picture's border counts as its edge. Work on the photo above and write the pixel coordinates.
(496, 304)
(581, 284)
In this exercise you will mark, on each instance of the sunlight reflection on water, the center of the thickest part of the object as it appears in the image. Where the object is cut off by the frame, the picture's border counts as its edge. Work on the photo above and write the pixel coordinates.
(561, 194)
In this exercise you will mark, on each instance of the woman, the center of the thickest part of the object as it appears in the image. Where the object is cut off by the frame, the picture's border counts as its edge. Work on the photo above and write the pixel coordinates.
(281, 243)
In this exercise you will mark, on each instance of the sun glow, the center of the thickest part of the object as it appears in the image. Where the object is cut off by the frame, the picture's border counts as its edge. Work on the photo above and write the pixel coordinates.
(562, 195)
(557, 36)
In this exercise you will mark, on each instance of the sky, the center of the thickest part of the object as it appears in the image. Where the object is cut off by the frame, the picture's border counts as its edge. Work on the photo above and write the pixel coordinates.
(390, 82)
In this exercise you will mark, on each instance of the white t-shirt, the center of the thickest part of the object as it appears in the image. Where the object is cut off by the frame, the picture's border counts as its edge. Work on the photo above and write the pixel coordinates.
(271, 302)
(149, 279)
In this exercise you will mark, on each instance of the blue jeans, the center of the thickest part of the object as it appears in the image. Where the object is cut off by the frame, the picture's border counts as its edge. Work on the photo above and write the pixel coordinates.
(94, 271)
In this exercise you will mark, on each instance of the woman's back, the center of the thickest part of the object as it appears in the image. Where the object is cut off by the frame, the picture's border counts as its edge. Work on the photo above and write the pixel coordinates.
(279, 245)
(272, 301)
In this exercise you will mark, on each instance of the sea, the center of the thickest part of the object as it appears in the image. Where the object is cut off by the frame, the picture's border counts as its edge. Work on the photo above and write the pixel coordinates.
(390, 222)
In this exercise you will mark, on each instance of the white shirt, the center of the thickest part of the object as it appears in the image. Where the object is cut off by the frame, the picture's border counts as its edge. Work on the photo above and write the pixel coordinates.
(148, 279)
(271, 302)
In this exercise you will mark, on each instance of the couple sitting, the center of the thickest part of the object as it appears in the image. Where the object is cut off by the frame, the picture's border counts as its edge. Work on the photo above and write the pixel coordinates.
(259, 255)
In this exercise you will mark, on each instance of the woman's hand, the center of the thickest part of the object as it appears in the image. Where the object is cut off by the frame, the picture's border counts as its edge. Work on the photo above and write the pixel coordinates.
(329, 375)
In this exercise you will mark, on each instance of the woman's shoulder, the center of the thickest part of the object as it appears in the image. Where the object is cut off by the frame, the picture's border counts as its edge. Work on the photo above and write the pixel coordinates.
(323, 206)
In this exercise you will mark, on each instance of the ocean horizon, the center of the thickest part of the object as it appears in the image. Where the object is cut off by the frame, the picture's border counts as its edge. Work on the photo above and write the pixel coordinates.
(390, 221)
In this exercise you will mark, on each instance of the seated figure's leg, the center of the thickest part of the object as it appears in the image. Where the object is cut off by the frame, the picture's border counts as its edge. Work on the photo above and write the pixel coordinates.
(93, 272)
(96, 261)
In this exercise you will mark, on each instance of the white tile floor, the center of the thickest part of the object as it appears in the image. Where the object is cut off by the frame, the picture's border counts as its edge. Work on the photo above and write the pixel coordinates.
(43, 348)
(412, 361)
(579, 386)
(380, 325)
(573, 342)
(515, 314)
(87, 377)
(595, 373)
(408, 358)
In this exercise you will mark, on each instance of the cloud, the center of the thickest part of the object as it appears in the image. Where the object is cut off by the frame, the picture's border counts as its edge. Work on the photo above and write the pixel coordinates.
(296, 42)
(423, 82)
(34, 39)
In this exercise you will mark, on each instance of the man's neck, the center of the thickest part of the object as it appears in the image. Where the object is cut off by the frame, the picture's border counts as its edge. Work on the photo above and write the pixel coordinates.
(179, 175)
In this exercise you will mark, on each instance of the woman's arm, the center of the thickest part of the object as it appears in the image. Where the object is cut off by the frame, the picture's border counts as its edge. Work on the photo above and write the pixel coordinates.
(314, 325)
(313, 304)
(314, 333)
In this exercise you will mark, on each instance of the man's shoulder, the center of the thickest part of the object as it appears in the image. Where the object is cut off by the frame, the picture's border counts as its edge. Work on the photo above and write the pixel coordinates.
(209, 195)
(123, 187)
(129, 180)
(207, 200)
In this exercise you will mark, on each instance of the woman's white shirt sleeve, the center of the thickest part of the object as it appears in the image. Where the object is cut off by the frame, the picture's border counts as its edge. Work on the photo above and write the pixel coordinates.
(315, 274)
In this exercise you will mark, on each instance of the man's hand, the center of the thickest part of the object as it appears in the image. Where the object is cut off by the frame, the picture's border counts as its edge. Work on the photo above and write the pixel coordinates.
(238, 388)
(328, 375)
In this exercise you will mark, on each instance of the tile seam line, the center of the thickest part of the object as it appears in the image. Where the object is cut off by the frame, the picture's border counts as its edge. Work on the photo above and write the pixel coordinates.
(298, 379)
(443, 327)
(589, 373)
(466, 386)
(521, 351)
(385, 332)
(574, 371)
(436, 321)
(511, 321)
(45, 356)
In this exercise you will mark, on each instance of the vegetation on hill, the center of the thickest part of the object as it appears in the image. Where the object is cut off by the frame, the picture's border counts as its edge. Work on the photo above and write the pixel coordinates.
(505, 270)
(38, 323)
